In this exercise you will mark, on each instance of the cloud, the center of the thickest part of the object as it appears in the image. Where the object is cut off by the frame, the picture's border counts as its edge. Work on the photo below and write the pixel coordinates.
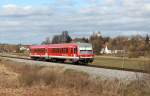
(110, 16)
(28, 10)
(12, 9)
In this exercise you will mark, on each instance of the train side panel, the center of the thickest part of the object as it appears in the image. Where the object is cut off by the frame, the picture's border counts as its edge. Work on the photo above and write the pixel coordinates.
(76, 53)
(62, 51)
(37, 52)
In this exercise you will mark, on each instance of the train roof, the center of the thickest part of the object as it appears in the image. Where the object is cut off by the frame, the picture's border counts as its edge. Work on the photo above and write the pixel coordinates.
(60, 45)
(84, 44)
(38, 46)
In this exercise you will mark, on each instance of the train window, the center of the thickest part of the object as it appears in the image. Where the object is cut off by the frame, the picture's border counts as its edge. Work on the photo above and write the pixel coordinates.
(66, 50)
(75, 50)
(57, 50)
(35, 50)
(39, 50)
(61, 50)
(54, 50)
(43, 50)
(46, 50)
(71, 50)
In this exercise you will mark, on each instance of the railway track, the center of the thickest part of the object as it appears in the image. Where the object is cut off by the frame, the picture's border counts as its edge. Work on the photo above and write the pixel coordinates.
(96, 66)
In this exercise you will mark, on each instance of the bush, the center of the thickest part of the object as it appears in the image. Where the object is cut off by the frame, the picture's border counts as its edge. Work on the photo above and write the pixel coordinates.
(133, 54)
(147, 66)
(138, 88)
(76, 78)
(49, 75)
(29, 75)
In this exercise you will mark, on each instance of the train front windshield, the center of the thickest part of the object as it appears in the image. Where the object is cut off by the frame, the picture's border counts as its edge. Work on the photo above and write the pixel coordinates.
(85, 48)
(86, 52)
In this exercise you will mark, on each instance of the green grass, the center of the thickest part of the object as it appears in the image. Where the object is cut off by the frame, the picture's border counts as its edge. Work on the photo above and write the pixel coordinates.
(130, 63)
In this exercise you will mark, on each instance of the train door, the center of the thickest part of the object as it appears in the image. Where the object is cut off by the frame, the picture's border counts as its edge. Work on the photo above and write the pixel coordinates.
(71, 52)
(75, 52)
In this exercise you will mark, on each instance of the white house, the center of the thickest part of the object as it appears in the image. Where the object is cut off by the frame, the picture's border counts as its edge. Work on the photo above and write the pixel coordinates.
(22, 48)
(105, 50)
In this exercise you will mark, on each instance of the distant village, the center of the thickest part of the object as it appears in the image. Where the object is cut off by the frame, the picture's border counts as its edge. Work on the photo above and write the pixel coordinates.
(131, 45)
(105, 49)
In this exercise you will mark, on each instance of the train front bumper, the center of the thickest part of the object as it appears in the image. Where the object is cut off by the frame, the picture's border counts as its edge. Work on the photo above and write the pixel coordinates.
(86, 59)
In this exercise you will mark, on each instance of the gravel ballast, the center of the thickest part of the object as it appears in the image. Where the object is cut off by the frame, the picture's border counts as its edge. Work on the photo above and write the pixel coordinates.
(93, 72)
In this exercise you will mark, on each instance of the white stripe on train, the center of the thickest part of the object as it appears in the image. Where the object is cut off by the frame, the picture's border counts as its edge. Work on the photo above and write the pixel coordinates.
(67, 57)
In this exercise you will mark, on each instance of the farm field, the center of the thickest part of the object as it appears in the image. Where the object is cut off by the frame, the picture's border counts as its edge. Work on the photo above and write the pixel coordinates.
(19, 79)
(111, 61)
(130, 63)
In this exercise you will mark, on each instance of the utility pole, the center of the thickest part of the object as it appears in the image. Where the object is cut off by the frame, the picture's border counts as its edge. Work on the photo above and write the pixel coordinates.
(123, 63)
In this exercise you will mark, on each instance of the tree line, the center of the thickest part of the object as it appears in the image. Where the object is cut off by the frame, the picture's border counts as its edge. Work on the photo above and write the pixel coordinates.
(64, 37)
(133, 46)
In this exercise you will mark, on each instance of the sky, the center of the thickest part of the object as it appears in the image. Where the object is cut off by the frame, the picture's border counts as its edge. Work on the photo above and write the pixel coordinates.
(31, 21)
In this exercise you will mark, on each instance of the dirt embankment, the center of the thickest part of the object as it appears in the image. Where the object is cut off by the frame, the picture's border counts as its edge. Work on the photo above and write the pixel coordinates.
(18, 79)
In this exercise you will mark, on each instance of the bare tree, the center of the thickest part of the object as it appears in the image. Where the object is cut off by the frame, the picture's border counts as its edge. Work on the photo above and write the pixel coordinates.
(46, 41)
(63, 38)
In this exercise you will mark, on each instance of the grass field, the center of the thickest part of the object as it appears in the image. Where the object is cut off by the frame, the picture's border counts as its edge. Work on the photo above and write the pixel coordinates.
(119, 62)
(22, 79)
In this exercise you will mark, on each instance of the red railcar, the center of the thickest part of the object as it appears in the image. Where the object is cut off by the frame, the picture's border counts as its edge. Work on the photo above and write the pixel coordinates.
(75, 52)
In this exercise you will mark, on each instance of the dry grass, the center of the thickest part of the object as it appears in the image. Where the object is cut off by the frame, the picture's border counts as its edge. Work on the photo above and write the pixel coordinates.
(147, 66)
(51, 81)
(129, 63)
